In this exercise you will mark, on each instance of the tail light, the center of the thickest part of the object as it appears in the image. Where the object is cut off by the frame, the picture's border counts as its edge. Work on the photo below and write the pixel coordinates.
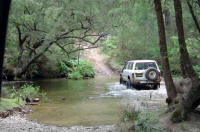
(132, 75)
(159, 74)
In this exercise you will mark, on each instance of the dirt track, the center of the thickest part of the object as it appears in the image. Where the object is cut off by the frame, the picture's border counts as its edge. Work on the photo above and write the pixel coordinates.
(100, 65)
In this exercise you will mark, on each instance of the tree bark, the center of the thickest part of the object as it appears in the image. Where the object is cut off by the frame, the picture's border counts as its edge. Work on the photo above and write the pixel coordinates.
(186, 66)
(171, 92)
(20, 49)
(4, 10)
(191, 100)
(31, 61)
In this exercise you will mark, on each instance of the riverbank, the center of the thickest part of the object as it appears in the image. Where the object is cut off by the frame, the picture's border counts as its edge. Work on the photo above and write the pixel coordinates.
(19, 123)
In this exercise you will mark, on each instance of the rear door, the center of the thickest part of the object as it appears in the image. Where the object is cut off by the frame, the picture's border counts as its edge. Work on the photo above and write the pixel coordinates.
(139, 71)
(125, 72)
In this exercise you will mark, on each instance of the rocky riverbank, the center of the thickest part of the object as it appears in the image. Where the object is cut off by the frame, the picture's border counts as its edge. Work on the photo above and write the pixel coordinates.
(19, 123)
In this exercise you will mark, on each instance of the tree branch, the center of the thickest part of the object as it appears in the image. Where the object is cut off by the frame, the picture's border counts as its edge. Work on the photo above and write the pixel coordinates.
(63, 49)
(84, 38)
(193, 15)
(83, 49)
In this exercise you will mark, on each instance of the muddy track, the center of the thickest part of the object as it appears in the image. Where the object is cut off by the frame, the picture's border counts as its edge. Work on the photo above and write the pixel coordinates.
(100, 65)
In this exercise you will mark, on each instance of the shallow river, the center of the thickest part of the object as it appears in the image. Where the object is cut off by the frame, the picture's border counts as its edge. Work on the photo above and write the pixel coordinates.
(91, 102)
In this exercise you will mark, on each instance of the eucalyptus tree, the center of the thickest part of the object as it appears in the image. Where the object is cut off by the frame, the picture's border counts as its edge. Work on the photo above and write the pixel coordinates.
(192, 98)
(171, 91)
(34, 26)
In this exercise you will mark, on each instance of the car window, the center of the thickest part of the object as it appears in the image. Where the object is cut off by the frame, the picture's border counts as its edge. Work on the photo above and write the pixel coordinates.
(144, 65)
(131, 66)
(127, 66)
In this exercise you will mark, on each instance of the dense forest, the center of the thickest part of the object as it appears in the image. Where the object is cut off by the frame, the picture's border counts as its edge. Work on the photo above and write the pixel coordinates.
(47, 39)
(137, 38)
(44, 37)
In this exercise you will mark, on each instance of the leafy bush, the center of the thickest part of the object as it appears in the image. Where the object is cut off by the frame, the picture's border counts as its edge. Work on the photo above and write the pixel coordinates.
(197, 69)
(63, 68)
(28, 91)
(86, 69)
(74, 70)
(75, 75)
(6, 104)
(109, 47)
(129, 115)
(148, 122)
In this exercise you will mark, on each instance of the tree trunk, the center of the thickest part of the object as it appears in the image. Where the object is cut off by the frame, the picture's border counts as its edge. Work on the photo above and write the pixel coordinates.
(4, 10)
(171, 92)
(167, 20)
(185, 63)
(191, 100)
(25, 67)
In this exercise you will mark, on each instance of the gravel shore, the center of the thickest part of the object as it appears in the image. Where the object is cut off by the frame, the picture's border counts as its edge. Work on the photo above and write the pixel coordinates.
(19, 123)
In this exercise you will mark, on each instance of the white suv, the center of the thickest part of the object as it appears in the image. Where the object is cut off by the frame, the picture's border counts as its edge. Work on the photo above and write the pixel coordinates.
(140, 73)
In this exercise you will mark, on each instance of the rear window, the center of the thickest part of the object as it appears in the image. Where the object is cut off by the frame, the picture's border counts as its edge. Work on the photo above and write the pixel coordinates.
(144, 65)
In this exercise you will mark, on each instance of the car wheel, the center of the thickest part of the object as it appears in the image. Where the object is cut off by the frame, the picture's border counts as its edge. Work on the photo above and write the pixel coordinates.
(155, 86)
(128, 84)
(121, 81)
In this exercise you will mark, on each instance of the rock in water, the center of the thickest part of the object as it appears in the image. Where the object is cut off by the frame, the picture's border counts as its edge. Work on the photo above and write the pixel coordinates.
(27, 100)
(36, 99)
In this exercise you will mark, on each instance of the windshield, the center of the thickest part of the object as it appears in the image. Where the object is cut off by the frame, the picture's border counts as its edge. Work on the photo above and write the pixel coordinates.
(145, 65)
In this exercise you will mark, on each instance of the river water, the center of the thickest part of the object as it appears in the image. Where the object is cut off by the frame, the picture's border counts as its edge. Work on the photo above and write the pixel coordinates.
(91, 102)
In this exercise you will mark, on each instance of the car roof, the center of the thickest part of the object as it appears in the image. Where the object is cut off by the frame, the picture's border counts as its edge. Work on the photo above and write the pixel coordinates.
(141, 61)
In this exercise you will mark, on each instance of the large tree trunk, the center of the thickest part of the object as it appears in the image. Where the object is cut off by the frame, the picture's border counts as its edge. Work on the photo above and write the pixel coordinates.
(25, 67)
(191, 100)
(171, 92)
(4, 9)
(186, 66)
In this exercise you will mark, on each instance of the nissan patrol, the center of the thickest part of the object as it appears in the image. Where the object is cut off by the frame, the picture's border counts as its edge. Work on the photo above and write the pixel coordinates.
(140, 73)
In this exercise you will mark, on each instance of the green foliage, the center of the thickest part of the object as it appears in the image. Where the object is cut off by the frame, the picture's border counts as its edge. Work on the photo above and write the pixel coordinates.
(131, 25)
(148, 122)
(6, 104)
(197, 69)
(75, 75)
(64, 70)
(137, 37)
(110, 46)
(129, 115)
(143, 121)
(86, 69)
(30, 91)
(47, 39)
(76, 70)
(178, 116)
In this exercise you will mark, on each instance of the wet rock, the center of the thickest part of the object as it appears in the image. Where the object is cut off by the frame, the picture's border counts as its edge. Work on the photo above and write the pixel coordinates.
(36, 100)
(63, 99)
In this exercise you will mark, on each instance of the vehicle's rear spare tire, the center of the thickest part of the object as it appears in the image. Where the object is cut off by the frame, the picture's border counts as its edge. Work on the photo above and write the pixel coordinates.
(151, 74)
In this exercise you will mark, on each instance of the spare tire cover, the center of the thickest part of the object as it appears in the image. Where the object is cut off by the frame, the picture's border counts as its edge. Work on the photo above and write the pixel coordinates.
(151, 74)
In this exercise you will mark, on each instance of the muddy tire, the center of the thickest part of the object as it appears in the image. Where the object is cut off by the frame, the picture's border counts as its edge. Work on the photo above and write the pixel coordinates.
(128, 84)
(121, 81)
